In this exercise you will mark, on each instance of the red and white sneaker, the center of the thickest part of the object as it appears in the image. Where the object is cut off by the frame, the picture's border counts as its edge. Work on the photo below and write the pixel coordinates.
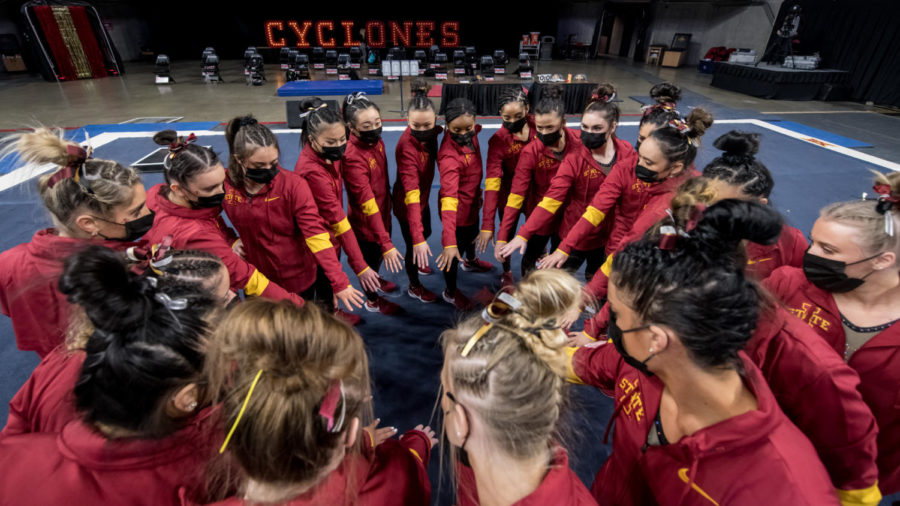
(383, 306)
(507, 281)
(350, 318)
(421, 293)
(476, 265)
(460, 301)
(387, 286)
(424, 271)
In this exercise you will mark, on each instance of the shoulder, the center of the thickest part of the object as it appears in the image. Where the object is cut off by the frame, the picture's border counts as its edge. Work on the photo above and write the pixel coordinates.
(786, 281)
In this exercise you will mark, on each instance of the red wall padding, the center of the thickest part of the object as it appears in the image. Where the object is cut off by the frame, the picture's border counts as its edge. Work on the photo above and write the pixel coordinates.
(88, 40)
(64, 67)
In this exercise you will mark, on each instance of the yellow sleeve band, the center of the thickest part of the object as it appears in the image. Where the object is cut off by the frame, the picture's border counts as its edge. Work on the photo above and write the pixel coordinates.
(257, 284)
(593, 215)
(388, 251)
(416, 455)
(451, 246)
(863, 497)
(551, 205)
(606, 268)
(449, 204)
(369, 207)
(421, 243)
(319, 242)
(571, 377)
(492, 184)
(341, 227)
(360, 273)
(515, 201)
(412, 197)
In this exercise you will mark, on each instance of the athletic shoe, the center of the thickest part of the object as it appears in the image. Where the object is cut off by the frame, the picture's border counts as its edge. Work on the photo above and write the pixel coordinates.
(387, 286)
(421, 293)
(506, 280)
(476, 265)
(350, 318)
(424, 271)
(383, 306)
(460, 301)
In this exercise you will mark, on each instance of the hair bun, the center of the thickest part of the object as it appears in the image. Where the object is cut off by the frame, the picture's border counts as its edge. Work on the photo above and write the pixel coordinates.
(665, 93)
(165, 137)
(730, 221)
(738, 145)
(247, 120)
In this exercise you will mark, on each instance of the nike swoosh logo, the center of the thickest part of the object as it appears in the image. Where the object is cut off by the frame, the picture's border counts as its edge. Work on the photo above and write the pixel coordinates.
(270, 199)
(761, 260)
(682, 473)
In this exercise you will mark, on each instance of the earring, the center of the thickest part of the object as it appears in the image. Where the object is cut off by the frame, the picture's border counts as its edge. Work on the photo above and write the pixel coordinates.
(651, 350)
(192, 406)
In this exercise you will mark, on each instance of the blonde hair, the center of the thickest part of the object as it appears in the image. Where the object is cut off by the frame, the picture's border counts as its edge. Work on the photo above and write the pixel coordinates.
(102, 185)
(513, 377)
(864, 216)
(694, 191)
(302, 352)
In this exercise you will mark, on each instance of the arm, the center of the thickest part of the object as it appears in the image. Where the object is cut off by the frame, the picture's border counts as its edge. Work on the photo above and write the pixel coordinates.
(604, 200)
(596, 364)
(359, 189)
(308, 221)
(493, 177)
(408, 177)
(331, 210)
(517, 193)
(448, 168)
(559, 189)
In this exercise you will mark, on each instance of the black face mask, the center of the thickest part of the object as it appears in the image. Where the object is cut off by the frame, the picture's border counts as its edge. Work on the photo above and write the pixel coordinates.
(262, 176)
(646, 175)
(462, 456)
(463, 139)
(423, 135)
(370, 136)
(515, 126)
(615, 334)
(550, 139)
(333, 153)
(134, 229)
(593, 140)
(208, 201)
(830, 275)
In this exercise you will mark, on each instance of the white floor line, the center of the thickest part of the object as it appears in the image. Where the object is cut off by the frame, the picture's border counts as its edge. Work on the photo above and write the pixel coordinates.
(31, 170)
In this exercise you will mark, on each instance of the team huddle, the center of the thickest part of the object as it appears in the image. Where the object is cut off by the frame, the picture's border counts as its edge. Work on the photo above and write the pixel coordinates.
(747, 365)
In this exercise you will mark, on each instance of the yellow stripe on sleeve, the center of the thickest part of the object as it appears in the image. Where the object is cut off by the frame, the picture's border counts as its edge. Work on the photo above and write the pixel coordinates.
(319, 242)
(571, 377)
(369, 207)
(416, 455)
(492, 184)
(257, 284)
(341, 226)
(593, 215)
(514, 201)
(449, 204)
(412, 197)
(863, 497)
(551, 205)
(606, 268)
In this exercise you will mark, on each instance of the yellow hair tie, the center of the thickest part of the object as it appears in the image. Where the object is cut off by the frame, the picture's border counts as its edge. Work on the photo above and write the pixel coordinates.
(241, 412)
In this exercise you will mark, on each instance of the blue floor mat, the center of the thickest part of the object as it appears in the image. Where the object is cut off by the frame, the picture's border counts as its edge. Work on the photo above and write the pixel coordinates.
(311, 88)
(820, 134)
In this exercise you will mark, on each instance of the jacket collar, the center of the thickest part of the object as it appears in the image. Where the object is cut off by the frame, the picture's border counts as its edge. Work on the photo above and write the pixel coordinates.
(157, 201)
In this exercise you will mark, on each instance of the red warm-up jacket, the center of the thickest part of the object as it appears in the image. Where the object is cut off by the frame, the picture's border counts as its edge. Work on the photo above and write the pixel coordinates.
(46, 402)
(536, 168)
(327, 184)
(758, 457)
(283, 234)
(415, 174)
(394, 472)
(205, 230)
(789, 250)
(576, 182)
(80, 467)
(504, 149)
(365, 171)
(460, 171)
(29, 275)
(877, 362)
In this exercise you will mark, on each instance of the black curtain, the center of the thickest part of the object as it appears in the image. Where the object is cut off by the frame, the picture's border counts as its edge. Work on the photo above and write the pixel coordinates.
(859, 36)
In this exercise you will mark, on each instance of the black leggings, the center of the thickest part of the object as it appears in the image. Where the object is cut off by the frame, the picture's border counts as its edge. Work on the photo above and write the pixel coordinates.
(536, 247)
(321, 291)
(412, 270)
(371, 252)
(594, 259)
(465, 237)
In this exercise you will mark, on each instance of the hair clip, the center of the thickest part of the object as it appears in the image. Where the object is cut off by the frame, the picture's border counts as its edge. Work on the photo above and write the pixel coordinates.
(75, 158)
(177, 146)
(155, 258)
(502, 305)
(886, 201)
(179, 304)
(668, 238)
(334, 394)
(359, 96)
(241, 412)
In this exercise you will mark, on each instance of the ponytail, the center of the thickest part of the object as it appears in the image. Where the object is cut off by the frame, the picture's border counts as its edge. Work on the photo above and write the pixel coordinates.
(602, 102)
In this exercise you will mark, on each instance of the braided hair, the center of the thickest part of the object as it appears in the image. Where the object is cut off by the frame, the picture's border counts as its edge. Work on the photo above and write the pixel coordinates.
(315, 116)
(186, 160)
(738, 166)
(679, 140)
